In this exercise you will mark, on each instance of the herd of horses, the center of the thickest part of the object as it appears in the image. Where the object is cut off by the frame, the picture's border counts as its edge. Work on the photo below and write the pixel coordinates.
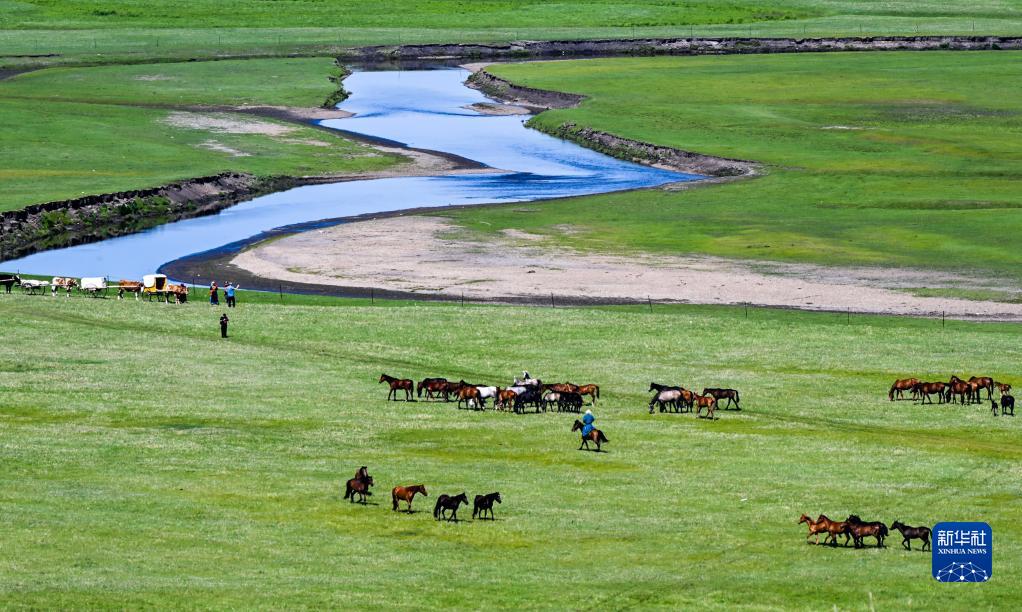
(956, 390)
(361, 484)
(857, 530)
(519, 396)
(679, 399)
(90, 286)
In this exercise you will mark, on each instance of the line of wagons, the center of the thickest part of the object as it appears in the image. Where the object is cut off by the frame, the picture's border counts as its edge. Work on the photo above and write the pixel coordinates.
(152, 286)
(520, 396)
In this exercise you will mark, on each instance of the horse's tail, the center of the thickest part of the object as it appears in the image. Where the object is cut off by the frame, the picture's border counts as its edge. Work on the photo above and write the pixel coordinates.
(347, 490)
(393, 498)
(597, 391)
(737, 399)
(436, 509)
(600, 436)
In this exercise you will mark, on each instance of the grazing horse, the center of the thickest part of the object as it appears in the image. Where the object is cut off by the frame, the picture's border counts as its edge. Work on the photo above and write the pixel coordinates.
(448, 502)
(665, 399)
(1007, 405)
(815, 528)
(593, 391)
(926, 389)
(860, 530)
(407, 494)
(484, 503)
(900, 386)
(731, 395)
(706, 401)
(833, 529)
(984, 382)
(127, 286)
(432, 386)
(594, 436)
(505, 399)
(397, 384)
(62, 282)
(912, 533)
(9, 280)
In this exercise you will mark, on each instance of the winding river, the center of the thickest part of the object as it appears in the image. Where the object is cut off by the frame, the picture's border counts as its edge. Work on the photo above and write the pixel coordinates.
(424, 109)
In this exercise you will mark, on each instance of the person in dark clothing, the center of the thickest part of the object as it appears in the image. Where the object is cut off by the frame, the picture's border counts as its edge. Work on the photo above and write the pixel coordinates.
(223, 325)
(214, 294)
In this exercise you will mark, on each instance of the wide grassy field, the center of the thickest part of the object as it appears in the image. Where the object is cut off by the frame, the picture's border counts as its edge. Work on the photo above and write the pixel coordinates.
(74, 131)
(908, 159)
(147, 462)
(53, 31)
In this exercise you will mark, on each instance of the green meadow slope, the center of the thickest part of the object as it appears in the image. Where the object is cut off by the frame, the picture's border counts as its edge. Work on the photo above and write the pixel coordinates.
(147, 463)
(52, 31)
(77, 131)
(908, 159)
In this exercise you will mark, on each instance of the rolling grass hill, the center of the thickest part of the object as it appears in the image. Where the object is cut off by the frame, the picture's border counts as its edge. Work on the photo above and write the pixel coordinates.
(149, 463)
(908, 159)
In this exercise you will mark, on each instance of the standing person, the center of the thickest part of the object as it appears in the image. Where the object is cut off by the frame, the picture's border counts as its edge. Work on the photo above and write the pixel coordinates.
(229, 294)
(223, 325)
(214, 294)
(587, 423)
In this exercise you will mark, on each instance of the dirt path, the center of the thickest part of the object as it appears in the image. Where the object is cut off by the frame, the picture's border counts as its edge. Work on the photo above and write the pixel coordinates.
(439, 261)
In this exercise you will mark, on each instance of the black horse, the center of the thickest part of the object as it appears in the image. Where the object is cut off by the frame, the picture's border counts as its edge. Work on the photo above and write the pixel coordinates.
(1007, 405)
(447, 502)
(860, 529)
(912, 533)
(359, 485)
(484, 503)
(530, 397)
(9, 280)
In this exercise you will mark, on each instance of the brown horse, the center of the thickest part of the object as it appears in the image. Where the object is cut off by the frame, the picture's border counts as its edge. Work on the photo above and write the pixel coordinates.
(432, 387)
(706, 401)
(815, 528)
(731, 395)
(1004, 388)
(961, 389)
(593, 391)
(505, 399)
(468, 394)
(833, 529)
(860, 530)
(407, 494)
(398, 384)
(984, 382)
(565, 387)
(594, 436)
(360, 487)
(926, 389)
(900, 386)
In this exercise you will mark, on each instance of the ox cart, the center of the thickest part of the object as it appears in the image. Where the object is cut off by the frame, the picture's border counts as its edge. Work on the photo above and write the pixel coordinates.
(32, 286)
(94, 286)
(158, 286)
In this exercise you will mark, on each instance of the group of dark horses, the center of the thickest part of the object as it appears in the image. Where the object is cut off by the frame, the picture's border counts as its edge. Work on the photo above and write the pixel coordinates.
(519, 396)
(359, 487)
(956, 390)
(857, 530)
(679, 399)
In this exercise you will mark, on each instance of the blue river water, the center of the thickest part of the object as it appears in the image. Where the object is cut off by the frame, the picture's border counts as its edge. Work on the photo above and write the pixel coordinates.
(424, 109)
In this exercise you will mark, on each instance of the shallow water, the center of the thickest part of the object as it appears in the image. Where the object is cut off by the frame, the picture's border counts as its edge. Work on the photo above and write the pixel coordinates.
(419, 108)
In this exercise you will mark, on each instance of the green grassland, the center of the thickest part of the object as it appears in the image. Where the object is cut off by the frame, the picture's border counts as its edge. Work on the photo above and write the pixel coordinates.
(149, 463)
(908, 159)
(118, 30)
(76, 131)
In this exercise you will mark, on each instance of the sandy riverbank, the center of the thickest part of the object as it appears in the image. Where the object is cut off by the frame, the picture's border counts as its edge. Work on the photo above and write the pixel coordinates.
(439, 261)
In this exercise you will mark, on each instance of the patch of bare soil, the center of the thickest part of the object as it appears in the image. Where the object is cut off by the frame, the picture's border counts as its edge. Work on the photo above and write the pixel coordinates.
(379, 254)
(225, 124)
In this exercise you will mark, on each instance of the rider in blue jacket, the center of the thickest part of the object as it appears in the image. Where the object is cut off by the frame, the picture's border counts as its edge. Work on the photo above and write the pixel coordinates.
(587, 423)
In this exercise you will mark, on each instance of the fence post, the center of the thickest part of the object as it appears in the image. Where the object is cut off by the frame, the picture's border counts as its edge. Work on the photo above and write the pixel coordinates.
(372, 296)
(650, 302)
(280, 291)
(552, 301)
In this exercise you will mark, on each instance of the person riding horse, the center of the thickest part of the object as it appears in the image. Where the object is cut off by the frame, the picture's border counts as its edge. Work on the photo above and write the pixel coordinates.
(587, 423)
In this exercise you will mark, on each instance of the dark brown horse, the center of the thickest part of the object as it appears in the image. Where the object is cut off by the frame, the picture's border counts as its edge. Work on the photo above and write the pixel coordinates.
(9, 280)
(593, 391)
(484, 503)
(594, 436)
(398, 384)
(565, 387)
(900, 386)
(1007, 405)
(468, 394)
(984, 382)
(926, 389)
(360, 487)
(407, 494)
(912, 533)
(731, 395)
(706, 401)
(449, 502)
(815, 528)
(960, 389)
(432, 386)
(860, 529)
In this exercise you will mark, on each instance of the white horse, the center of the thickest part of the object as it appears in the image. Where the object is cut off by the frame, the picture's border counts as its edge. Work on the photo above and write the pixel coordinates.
(486, 393)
